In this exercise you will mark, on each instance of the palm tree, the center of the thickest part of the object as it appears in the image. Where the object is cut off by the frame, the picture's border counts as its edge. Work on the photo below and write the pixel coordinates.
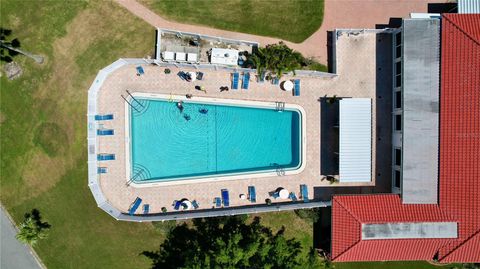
(277, 58)
(11, 48)
(32, 229)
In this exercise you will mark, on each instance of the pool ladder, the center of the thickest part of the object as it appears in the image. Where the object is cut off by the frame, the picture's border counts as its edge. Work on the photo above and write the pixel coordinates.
(280, 171)
(279, 106)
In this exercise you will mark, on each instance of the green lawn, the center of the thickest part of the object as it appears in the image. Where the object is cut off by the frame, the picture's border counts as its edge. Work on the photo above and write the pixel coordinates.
(43, 131)
(292, 20)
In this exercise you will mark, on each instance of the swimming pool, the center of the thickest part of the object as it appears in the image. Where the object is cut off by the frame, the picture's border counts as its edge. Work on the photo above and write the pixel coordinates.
(210, 139)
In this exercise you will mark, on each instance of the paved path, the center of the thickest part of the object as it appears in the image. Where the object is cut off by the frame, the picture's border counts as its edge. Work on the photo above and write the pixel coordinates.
(13, 254)
(338, 14)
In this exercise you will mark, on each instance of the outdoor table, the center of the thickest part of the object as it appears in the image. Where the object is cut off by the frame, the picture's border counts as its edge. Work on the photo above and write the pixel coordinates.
(288, 85)
(283, 194)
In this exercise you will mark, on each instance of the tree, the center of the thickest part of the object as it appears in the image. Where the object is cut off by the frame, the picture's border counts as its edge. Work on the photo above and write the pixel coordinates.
(32, 228)
(228, 242)
(277, 58)
(10, 48)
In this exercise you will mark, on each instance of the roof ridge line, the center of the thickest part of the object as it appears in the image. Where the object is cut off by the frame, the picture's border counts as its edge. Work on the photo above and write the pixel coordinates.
(355, 218)
(461, 30)
(459, 245)
(348, 211)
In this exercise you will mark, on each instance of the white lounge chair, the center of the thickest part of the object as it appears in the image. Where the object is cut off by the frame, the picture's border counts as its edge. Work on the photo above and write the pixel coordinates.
(168, 56)
(180, 57)
(192, 57)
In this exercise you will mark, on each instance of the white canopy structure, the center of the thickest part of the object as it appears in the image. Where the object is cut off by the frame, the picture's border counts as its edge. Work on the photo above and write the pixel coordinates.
(356, 140)
(224, 56)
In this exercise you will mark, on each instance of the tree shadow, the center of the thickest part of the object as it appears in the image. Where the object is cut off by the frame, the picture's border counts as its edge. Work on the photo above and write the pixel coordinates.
(6, 43)
(35, 215)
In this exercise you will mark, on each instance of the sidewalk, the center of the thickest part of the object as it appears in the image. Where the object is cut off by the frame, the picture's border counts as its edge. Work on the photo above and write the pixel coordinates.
(337, 14)
(13, 254)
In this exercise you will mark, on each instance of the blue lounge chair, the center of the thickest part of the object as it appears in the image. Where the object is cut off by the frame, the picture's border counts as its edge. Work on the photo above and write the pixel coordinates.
(292, 197)
(235, 78)
(105, 157)
(102, 170)
(296, 87)
(146, 209)
(217, 201)
(275, 81)
(252, 195)
(304, 191)
(104, 117)
(104, 132)
(225, 198)
(195, 204)
(275, 195)
(177, 204)
(245, 80)
(140, 70)
(134, 206)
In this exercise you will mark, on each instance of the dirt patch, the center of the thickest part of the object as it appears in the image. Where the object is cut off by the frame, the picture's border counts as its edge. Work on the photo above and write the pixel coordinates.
(13, 70)
(3, 118)
(51, 138)
(42, 172)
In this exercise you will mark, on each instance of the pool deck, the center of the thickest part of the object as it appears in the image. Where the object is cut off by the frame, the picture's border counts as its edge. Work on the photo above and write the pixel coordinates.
(358, 76)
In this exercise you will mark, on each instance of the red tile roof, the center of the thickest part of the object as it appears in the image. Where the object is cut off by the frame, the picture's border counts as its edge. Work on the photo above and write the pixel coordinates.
(459, 169)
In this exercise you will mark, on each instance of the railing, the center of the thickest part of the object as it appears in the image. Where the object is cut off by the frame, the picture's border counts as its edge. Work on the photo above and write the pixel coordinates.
(219, 212)
(279, 106)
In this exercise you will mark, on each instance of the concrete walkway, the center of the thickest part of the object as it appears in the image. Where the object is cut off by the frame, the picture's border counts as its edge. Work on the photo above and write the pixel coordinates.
(338, 14)
(13, 254)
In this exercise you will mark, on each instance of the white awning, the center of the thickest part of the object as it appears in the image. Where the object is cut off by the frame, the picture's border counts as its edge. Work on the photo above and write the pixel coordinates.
(356, 140)
(224, 56)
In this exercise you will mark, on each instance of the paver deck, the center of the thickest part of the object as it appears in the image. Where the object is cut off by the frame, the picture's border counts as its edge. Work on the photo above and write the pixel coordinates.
(356, 68)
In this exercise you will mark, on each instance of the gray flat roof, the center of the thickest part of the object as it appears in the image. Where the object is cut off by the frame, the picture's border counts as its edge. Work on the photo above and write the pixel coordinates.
(409, 230)
(421, 63)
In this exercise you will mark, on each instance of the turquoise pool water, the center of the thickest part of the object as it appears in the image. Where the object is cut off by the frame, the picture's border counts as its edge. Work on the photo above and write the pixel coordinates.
(167, 144)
